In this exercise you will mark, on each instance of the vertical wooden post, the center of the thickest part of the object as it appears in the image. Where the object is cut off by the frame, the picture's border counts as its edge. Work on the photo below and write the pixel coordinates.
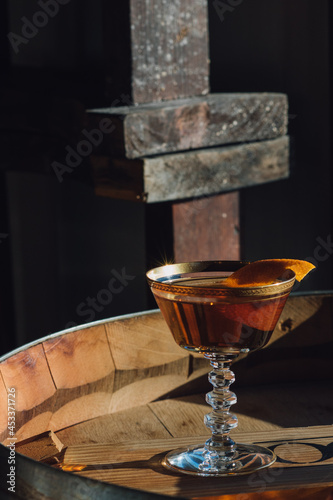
(169, 52)
(159, 47)
(207, 228)
(170, 61)
(170, 49)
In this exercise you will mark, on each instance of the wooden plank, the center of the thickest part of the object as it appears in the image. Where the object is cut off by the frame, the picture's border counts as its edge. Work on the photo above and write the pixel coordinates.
(45, 447)
(4, 398)
(81, 365)
(64, 408)
(79, 358)
(290, 402)
(207, 228)
(137, 465)
(148, 361)
(212, 171)
(182, 416)
(23, 372)
(198, 173)
(142, 342)
(169, 49)
(126, 425)
(258, 409)
(84, 381)
(30, 365)
(36, 481)
(195, 123)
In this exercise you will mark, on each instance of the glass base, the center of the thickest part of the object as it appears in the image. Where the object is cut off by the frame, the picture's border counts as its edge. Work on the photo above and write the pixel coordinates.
(196, 461)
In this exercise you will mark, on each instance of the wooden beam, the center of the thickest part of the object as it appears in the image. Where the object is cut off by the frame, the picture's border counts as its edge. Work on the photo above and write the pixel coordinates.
(170, 49)
(166, 44)
(207, 228)
(45, 447)
(199, 122)
(212, 171)
(191, 174)
(300, 464)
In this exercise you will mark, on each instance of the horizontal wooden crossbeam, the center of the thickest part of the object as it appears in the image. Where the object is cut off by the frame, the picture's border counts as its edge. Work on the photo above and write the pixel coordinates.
(198, 173)
(194, 123)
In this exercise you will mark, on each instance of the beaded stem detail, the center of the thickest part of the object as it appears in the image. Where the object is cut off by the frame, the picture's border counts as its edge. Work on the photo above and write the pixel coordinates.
(220, 448)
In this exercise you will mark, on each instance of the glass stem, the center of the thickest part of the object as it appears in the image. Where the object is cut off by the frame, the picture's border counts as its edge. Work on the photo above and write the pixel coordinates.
(220, 447)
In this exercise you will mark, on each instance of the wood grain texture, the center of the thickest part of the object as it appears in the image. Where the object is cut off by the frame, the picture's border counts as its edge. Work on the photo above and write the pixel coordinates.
(182, 416)
(140, 362)
(207, 228)
(169, 42)
(5, 404)
(125, 425)
(142, 342)
(185, 124)
(124, 448)
(70, 360)
(147, 360)
(193, 174)
(211, 171)
(138, 464)
(45, 447)
(265, 411)
(83, 372)
(93, 372)
(259, 408)
(28, 373)
(24, 371)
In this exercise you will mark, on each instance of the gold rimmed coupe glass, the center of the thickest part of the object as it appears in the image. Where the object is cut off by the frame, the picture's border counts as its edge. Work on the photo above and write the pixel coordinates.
(206, 316)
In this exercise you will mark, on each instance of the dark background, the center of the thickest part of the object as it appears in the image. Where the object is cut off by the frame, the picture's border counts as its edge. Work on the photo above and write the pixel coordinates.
(59, 242)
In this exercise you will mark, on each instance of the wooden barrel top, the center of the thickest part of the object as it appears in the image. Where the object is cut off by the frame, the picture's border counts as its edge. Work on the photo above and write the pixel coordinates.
(96, 408)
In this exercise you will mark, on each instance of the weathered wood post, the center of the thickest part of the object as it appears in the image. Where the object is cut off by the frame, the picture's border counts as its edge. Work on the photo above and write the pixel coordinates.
(172, 140)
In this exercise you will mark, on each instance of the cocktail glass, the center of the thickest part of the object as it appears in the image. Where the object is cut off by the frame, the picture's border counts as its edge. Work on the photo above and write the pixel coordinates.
(208, 317)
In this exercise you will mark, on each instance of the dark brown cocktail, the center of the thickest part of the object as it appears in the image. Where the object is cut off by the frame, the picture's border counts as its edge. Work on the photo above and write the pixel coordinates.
(207, 315)
(218, 320)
